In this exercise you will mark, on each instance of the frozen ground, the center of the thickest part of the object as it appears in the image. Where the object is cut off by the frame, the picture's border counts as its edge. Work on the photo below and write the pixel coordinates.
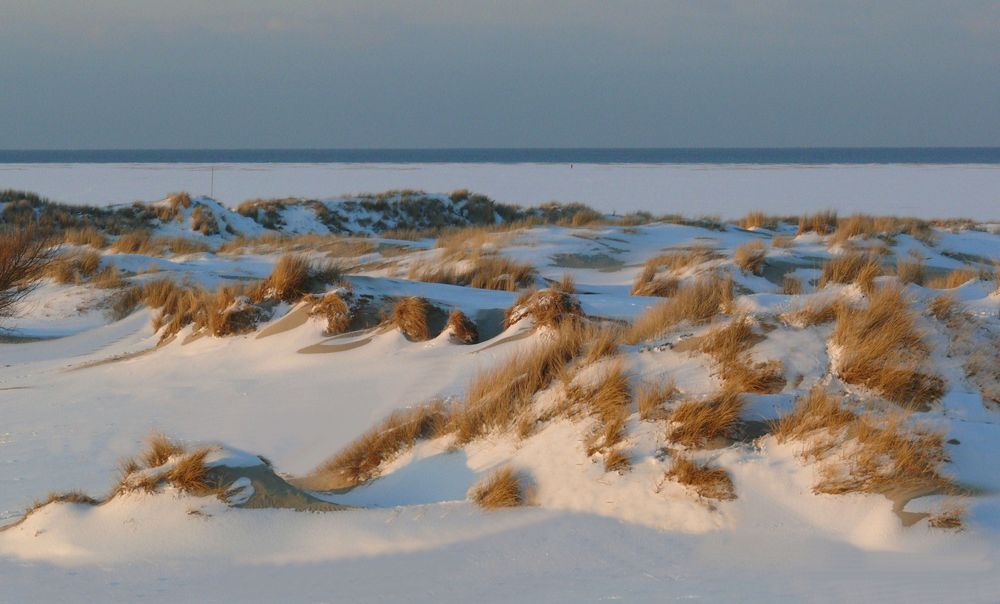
(73, 405)
(727, 191)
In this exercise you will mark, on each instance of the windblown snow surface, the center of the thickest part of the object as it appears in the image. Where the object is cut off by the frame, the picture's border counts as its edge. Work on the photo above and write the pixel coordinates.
(79, 391)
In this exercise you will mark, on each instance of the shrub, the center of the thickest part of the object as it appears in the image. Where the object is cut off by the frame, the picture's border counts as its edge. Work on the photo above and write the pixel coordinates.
(501, 489)
(24, 259)
(750, 257)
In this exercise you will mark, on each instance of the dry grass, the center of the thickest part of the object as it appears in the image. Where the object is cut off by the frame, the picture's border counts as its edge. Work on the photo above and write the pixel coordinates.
(85, 236)
(190, 474)
(409, 315)
(695, 423)
(608, 400)
(819, 410)
(942, 307)
(332, 308)
(889, 456)
(566, 284)
(791, 285)
(821, 222)
(652, 396)
(501, 489)
(77, 497)
(708, 482)
(863, 225)
(696, 302)
(482, 272)
(74, 267)
(957, 277)
(288, 281)
(911, 270)
(651, 282)
(750, 257)
(851, 267)
(109, 278)
(602, 341)
(463, 329)
(362, 459)
(758, 220)
(546, 307)
(498, 396)
(159, 450)
(617, 460)
(728, 346)
(949, 518)
(782, 241)
(813, 313)
(883, 351)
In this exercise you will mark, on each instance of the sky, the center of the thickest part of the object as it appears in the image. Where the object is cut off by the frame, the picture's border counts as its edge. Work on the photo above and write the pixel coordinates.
(503, 73)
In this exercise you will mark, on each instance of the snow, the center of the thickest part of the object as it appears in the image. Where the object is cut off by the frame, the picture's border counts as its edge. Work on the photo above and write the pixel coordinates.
(690, 189)
(73, 405)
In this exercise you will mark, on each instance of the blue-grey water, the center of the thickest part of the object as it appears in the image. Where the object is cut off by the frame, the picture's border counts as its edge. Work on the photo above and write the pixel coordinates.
(816, 155)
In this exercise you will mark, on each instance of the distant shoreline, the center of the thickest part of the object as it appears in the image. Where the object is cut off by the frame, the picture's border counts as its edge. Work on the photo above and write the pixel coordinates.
(713, 156)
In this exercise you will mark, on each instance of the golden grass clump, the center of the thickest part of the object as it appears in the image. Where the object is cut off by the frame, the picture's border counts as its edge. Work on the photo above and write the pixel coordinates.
(190, 474)
(463, 329)
(332, 308)
(863, 225)
(362, 459)
(696, 302)
(482, 272)
(566, 284)
(851, 267)
(812, 313)
(288, 281)
(651, 282)
(695, 423)
(602, 341)
(409, 315)
(817, 410)
(159, 450)
(782, 241)
(75, 497)
(883, 351)
(750, 257)
(791, 285)
(608, 400)
(501, 489)
(74, 267)
(546, 307)
(85, 236)
(651, 396)
(911, 270)
(133, 242)
(617, 460)
(758, 220)
(957, 277)
(821, 222)
(889, 456)
(942, 307)
(498, 396)
(706, 481)
(728, 346)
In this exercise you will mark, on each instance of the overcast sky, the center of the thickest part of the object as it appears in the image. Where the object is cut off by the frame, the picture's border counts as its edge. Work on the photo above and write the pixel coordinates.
(499, 73)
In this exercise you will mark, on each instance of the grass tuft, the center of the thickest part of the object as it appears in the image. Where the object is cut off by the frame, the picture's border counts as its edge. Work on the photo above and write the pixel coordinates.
(708, 482)
(501, 489)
